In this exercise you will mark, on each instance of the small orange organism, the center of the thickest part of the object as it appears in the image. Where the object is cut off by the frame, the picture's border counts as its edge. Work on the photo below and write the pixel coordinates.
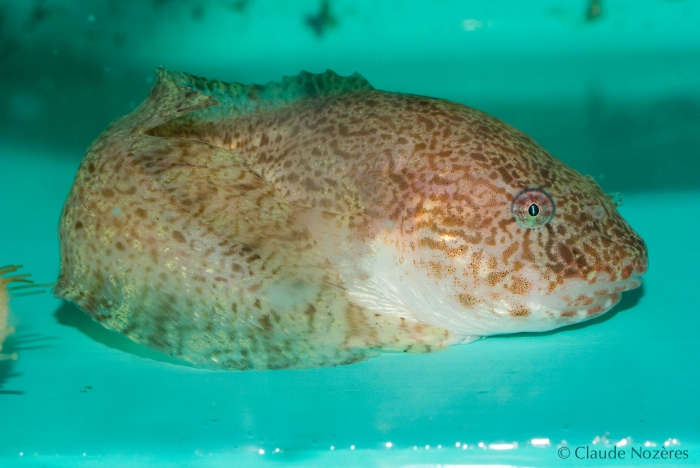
(5, 292)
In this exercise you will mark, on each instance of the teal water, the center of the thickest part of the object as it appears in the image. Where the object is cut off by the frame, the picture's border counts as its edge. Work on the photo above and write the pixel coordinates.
(615, 96)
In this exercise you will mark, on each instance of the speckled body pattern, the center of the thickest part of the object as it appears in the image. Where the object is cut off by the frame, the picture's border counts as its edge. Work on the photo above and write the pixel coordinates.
(314, 221)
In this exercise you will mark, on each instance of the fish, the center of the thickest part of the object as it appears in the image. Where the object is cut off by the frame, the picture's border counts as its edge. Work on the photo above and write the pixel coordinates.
(318, 221)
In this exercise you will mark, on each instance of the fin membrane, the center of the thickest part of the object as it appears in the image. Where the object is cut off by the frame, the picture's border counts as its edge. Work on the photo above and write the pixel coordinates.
(237, 99)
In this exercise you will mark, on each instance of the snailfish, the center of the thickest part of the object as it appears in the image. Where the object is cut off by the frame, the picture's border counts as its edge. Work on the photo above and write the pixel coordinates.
(317, 221)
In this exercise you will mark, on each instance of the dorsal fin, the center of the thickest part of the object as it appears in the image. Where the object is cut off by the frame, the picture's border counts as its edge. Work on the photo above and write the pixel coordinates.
(236, 99)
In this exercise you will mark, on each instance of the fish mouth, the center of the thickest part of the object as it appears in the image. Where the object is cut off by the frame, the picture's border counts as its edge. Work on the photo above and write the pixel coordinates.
(582, 303)
(604, 297)
(606, 289)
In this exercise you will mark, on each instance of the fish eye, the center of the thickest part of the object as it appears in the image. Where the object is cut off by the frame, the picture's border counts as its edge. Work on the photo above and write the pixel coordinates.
(532, 208)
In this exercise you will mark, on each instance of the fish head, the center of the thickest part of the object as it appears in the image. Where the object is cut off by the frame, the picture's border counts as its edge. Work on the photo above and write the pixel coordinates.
(513, 238)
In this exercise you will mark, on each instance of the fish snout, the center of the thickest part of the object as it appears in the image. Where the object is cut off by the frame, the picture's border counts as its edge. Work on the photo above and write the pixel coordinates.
(642, 261)
(638, 262)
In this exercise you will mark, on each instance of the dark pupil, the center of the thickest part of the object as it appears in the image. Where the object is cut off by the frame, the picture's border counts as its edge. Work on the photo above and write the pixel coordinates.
(533, 210)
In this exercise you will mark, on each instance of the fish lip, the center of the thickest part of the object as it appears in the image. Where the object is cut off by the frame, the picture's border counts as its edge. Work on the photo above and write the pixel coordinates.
(606, 296)
(633, 282)
(604, 289)
(614, 293)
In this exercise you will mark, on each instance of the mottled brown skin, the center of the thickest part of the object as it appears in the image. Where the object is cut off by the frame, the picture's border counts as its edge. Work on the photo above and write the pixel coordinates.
(434, 168)
(175, 244)
(228, 238)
